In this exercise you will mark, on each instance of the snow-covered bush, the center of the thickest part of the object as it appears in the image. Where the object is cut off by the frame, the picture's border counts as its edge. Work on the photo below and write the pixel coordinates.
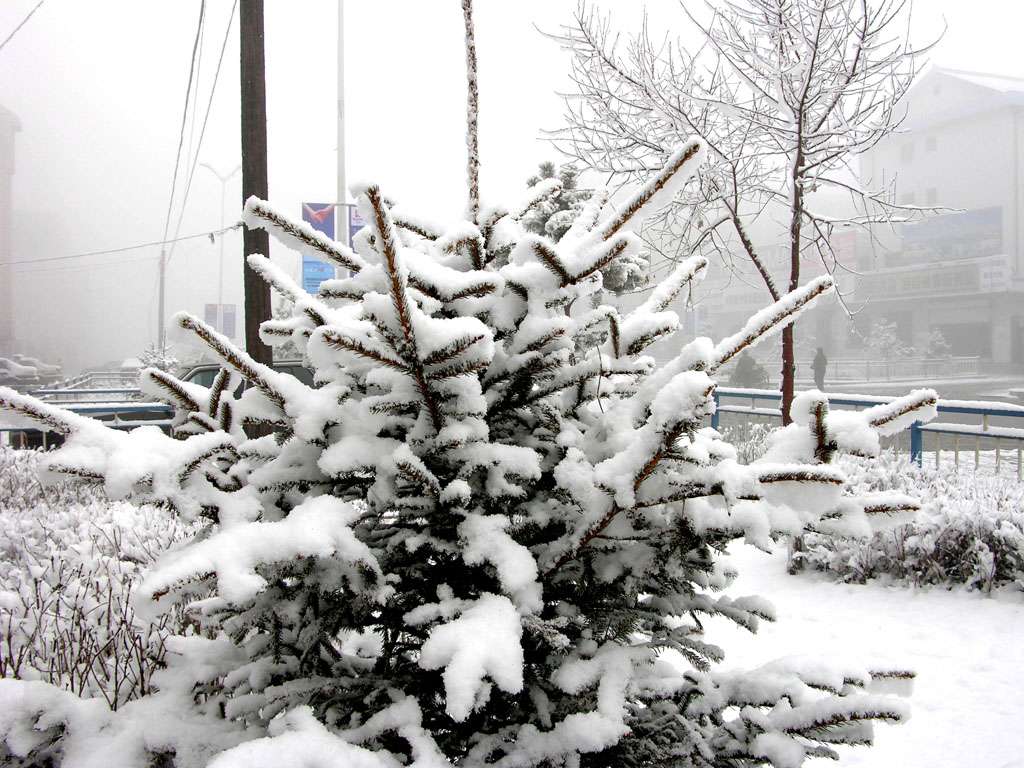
(969, 530)
(69, 560)
(486, 537)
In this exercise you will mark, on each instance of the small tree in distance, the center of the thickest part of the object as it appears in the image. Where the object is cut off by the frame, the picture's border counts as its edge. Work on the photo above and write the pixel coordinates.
(486, 537)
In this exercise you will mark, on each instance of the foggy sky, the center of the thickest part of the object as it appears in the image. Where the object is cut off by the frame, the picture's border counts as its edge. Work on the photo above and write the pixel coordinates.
(99, 89)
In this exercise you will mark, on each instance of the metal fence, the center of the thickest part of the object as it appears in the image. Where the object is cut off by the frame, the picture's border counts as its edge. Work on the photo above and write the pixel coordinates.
(990, 432)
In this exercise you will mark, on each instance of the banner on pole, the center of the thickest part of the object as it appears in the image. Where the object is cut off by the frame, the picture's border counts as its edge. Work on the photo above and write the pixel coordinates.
(320, 216)
(355, 222)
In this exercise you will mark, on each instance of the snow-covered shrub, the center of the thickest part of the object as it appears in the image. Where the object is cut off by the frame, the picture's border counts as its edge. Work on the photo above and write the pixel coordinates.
(69, 560)
(749, 438)
(969, 530)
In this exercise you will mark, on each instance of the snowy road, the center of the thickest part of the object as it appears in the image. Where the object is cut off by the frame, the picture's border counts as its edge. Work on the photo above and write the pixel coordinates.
(968, 651)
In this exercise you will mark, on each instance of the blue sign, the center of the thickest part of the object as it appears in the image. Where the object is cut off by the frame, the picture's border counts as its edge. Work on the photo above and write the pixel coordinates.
(320, 216)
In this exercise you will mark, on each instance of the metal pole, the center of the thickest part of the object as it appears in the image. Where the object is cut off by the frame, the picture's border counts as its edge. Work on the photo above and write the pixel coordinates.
(224, 179)
(341, 216)
(161, 337)
(220, 263)
(916, 443)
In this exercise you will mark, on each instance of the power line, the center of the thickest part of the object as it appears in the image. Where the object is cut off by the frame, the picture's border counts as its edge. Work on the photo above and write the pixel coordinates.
(22, 24)
(211, 233)
(202, 130)
(49, 270)
(184, 116)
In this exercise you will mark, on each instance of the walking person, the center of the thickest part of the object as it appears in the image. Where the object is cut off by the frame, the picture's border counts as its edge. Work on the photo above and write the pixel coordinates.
(818, 366)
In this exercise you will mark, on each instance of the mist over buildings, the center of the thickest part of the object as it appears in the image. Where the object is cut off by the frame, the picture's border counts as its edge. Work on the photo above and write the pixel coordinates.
(93, 94)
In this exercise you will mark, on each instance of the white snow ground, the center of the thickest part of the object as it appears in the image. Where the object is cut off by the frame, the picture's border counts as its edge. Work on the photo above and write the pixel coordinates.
(967, 649)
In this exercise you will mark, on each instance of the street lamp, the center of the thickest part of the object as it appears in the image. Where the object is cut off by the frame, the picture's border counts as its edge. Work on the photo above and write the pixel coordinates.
(224, 179)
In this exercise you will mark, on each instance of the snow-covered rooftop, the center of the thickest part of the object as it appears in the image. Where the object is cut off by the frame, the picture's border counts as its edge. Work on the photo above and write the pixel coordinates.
(995, 82)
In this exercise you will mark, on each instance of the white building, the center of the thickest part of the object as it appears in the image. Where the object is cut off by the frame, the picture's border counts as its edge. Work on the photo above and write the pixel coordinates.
(960, 272)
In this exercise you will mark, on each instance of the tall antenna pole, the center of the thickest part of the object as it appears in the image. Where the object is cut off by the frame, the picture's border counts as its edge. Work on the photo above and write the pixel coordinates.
(341, 212)
(254, 170)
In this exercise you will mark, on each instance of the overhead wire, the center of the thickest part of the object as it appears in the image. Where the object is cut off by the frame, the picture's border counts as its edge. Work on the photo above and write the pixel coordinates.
(184, 117)
(22, 24)
(211, 233)
(202, 130)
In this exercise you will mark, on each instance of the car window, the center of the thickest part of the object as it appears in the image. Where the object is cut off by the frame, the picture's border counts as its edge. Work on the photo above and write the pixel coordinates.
(203, 377)
(299, 372)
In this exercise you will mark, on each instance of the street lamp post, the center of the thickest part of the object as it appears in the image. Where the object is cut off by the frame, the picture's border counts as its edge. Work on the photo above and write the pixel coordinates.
(224, 179)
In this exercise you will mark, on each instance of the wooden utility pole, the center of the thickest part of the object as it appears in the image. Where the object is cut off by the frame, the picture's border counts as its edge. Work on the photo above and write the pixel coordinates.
(254, 170)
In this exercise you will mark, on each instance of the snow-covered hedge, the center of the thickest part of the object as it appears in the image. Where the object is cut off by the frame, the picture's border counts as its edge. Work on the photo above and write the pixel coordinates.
(970, 530)
(69, 560)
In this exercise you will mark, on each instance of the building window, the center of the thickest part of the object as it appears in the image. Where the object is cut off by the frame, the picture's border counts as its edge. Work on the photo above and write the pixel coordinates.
(930, 196)
(930, 144)
(907, 153)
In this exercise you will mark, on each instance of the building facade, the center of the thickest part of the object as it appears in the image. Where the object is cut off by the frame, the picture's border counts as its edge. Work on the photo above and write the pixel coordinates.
(958, 270)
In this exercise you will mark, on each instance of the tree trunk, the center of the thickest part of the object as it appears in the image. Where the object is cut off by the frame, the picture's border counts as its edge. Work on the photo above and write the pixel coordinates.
(254, 170)
(788, 349)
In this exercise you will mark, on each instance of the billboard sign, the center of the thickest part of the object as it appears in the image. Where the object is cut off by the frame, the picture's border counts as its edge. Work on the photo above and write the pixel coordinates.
(320, 216)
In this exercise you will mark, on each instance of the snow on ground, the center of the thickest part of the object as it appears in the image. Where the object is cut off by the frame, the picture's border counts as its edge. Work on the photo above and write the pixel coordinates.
(967, 650)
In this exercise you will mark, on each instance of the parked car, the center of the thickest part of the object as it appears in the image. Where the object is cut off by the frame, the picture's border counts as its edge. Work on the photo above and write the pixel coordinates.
(204, 374)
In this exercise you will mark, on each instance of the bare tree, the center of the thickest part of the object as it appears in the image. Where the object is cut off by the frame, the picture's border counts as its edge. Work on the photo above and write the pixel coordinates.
(785, 93)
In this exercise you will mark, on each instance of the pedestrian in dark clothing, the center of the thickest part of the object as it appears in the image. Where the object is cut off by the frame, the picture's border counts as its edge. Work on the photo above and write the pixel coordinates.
(818, 366)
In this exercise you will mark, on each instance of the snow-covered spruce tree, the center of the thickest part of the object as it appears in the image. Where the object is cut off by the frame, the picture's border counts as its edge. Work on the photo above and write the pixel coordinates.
(485, 538)
(556, 213)
(553, 204)
(160, 357)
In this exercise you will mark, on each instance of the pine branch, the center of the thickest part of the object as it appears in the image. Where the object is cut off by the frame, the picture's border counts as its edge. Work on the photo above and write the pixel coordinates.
(545, 189)
(225, 446)
(613, 326)
(258, 213)
(287, 287)
(388, 247)
(235, 358)
(172, 386)
(452, 350)
(881, 415)
(547, 256)
(225, 416)
(217, 389)
(678, 162)
(821, 474)
(768, 320)
(454, 370)
(54, 419)
(335, 339)
(414, 227)
(611, 251)
(824, 448)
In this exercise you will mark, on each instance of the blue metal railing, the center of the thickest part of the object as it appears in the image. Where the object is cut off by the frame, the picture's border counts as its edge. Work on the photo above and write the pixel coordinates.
(983, 409)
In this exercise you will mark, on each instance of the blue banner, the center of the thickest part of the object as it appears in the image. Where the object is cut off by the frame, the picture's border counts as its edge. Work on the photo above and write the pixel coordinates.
(320, 216)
